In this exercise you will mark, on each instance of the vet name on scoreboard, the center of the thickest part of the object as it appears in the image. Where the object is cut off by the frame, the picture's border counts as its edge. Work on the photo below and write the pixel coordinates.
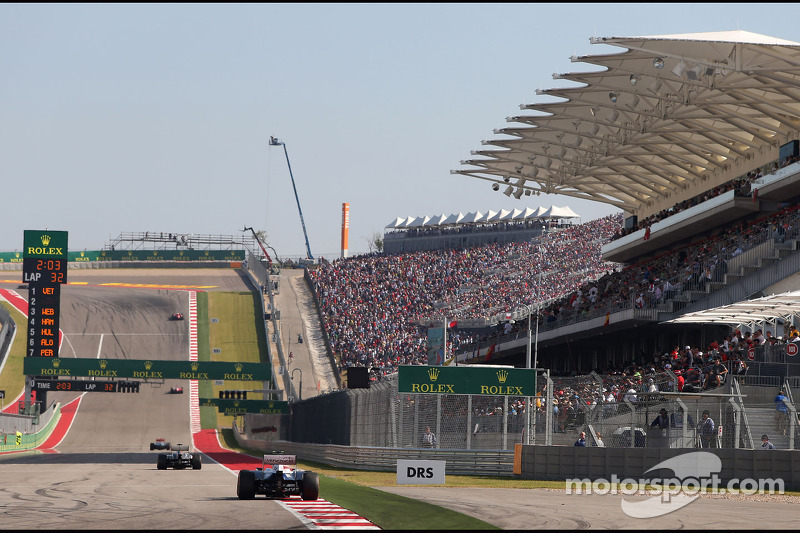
(146, 369)
(489, 381)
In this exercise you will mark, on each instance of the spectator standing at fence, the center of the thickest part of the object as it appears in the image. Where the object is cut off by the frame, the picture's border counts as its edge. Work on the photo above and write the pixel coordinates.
(581, 440)
(661, 421)
(706, 431)
(766, 444)
(781, 412)
(428, 438)
(599, 441)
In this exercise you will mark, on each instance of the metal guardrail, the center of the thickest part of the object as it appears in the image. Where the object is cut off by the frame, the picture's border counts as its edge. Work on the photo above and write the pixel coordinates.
(459, 462)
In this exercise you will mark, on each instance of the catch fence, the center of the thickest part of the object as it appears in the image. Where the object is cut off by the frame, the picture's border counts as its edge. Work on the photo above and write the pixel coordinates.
(613, 411)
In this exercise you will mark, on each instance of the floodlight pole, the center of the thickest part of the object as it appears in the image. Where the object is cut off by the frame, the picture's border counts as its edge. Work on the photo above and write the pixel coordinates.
(275, 142)
(300, 389)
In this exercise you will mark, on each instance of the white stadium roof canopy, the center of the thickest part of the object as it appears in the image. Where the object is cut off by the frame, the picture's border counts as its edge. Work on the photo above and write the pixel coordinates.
(668, 113)
(770, 309)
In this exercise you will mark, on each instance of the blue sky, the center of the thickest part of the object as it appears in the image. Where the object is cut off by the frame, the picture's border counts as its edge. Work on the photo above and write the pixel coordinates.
(156, 117)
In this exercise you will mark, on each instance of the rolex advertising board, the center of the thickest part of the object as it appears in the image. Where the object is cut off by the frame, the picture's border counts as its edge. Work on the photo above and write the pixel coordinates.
(146, 369)
(489, 380)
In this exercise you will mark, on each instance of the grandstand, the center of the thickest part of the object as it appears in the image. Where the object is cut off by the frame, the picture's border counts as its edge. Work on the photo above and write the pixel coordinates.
(695, 138)
(458, 231)
(699, 153)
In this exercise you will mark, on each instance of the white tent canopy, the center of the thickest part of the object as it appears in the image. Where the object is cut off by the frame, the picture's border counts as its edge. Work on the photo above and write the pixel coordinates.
(418, 222)
(397, 222)
(491, 216)
(454, 219)
(437, 220)
(473, 217)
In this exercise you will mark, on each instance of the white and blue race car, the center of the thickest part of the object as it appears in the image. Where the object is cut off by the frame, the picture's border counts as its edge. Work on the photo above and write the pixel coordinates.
(279, 477)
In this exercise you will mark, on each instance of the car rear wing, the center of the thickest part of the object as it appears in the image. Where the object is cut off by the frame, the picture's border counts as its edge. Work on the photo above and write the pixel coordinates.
(279, 459)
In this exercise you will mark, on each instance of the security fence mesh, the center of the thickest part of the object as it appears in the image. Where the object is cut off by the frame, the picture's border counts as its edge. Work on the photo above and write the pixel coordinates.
(613, 411)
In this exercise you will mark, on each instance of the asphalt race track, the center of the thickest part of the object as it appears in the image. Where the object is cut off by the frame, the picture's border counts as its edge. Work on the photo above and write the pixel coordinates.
(103, 474)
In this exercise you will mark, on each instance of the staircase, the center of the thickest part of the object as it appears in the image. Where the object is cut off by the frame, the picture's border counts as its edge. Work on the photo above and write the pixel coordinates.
(762, 421)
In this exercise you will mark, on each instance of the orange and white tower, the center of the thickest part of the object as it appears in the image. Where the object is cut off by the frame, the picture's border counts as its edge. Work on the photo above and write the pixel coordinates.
(345, 227)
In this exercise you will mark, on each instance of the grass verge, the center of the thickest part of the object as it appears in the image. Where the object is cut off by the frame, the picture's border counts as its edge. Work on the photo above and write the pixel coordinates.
(386, 510)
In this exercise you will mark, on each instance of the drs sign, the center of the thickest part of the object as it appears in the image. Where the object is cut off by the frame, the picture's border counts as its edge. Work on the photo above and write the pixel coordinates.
(414, 472)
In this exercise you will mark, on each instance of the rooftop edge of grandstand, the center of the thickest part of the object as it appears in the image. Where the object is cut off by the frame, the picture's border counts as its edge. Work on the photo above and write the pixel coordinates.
(476, 217)
(607, 140)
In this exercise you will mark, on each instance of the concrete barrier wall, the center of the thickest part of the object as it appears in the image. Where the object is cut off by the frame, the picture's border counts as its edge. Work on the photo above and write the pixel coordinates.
(559, 463)
(30, 439)
(7, 328)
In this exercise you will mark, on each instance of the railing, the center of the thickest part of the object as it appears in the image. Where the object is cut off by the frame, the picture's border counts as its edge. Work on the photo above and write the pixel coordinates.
(459, 462)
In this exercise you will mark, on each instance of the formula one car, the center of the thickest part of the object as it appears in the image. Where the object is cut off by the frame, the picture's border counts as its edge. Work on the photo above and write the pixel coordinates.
(176, 316)
(176, 390)
(180, 457)
(279, 477)
(160, 444)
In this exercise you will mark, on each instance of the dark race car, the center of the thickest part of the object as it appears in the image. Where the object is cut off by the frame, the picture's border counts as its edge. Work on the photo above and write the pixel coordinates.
(279, 477)
(176, 390)
(176, 316)
(180, 457)
(160, 444)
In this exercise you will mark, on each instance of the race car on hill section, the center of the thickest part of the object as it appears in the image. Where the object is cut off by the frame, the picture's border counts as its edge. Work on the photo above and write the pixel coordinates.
(176, 316)
(278, 477)
(160, 444)
(180, 457)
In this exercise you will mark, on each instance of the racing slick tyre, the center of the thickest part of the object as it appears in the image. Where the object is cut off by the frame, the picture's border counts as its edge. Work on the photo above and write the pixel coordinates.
(310, 488)
(152, 446)
(196, 462)
(246, 485)
(161, 464)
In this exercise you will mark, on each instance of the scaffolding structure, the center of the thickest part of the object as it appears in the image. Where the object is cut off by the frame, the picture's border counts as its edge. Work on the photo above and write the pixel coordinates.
(163, 240)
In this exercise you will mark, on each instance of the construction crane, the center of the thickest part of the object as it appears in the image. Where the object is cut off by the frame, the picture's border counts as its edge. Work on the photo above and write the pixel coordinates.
(263, 248)
(275, 142)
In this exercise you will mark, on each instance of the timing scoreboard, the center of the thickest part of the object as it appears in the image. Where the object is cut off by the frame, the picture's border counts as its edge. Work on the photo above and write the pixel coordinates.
(73, 385)
(44, 269)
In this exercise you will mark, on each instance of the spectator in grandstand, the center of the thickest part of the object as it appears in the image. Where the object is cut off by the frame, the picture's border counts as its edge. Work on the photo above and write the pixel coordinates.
(631, 395)
(781, 412)
(716, 374)
(706, 431)
(693, 381)
(581, 439)
(766, 444)
(681, 380)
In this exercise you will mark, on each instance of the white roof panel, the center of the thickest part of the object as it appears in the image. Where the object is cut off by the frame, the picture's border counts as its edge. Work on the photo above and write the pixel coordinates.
(651, 121)
(766, 309)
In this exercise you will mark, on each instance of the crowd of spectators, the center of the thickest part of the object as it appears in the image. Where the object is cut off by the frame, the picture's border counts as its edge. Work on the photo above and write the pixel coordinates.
(743, 186)
(376, 308)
